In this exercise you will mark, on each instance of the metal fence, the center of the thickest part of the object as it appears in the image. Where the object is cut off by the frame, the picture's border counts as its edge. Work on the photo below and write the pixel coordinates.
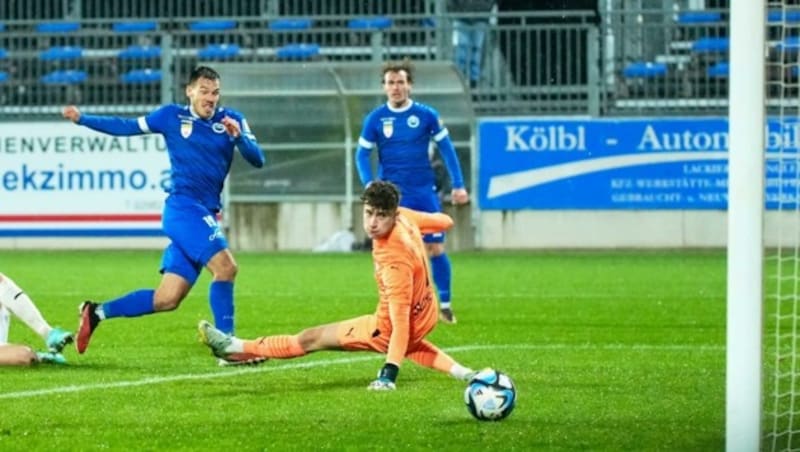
(655, 58)
(531, 64)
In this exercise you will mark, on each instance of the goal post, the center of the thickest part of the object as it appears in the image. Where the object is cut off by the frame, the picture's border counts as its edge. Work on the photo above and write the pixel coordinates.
(746, 122)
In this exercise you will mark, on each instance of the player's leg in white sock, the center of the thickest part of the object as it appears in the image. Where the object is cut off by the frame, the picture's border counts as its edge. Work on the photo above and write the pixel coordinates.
(13, 298)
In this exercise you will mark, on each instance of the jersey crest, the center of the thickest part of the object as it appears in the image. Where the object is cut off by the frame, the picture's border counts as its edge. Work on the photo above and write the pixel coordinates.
(218, 127)
(413, 121)
(388, 127)
(186, 128)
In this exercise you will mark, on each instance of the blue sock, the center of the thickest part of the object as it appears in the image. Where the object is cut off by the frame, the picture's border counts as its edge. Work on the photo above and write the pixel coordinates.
(220, 297)
(440, 267)
(134, 304)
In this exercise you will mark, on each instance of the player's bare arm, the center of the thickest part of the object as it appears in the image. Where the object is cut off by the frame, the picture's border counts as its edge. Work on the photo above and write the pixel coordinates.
(72, 113)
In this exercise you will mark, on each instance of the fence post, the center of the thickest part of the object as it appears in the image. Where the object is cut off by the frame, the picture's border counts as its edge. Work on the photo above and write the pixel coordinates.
(167, 78)
(593, 84)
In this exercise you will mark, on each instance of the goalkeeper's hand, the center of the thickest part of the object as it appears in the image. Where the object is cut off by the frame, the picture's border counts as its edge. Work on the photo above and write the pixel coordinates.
(386, 378)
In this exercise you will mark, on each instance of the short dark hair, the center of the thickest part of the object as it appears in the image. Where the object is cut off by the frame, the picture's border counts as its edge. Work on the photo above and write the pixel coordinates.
(397, 66)
(203, 72)
(382, 195)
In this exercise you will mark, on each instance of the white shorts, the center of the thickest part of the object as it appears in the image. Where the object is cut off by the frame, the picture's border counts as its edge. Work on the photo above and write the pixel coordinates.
(5, 321)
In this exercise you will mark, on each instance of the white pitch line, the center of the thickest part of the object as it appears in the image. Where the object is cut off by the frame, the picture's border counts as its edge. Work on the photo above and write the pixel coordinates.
(333, 362)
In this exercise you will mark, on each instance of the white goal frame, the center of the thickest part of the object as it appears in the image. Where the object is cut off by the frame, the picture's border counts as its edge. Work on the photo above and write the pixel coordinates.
(745, 265)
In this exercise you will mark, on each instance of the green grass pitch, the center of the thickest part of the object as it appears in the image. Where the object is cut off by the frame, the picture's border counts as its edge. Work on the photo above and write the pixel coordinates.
(608, 350)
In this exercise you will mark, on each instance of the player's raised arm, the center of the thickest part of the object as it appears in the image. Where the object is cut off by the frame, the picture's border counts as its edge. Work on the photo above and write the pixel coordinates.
(428, 222)
(245, 140)
(111, 125)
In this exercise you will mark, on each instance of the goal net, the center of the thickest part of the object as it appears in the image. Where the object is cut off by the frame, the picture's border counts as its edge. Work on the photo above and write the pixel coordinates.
(781, 337)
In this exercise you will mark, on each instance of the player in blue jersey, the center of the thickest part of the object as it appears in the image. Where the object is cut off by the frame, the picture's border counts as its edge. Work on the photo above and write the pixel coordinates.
(201, 138)
(401, 130)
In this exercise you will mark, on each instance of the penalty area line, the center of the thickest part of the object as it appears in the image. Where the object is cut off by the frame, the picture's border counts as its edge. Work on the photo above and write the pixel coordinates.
(266, 367)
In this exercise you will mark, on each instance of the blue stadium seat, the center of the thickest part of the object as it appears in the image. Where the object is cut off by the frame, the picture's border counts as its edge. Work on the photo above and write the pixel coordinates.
(290, 24)
(369, 23)
(58, 27)
(2, 26)
(3, 53)
(718, 70)
(711, 45)
(790, 44)
(212, 25)
(61, 53)
(64, 77)
(777, 16)
(698, 17)
(643, 69)
(134, 27)
(141, 76)
(219, 51)
(3, 76)
(137, 52)
(297, 51)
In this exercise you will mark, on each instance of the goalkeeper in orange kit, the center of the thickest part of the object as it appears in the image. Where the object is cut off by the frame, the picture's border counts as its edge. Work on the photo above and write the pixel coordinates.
(407, 307)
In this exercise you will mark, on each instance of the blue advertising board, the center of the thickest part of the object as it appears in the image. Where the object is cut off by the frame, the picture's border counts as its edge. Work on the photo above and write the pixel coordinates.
(642, 163)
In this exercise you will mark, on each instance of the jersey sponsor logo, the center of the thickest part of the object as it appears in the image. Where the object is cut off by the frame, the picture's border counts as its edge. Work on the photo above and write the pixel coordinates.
(186, 128)
(413, 121)
(388, 127)
(218, 127)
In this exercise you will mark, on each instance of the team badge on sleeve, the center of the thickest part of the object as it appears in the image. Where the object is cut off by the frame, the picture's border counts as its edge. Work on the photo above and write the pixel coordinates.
(186, 128)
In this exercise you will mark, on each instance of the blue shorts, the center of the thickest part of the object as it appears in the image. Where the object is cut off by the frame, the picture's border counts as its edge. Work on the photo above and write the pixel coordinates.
(424, 202)
(195, 237)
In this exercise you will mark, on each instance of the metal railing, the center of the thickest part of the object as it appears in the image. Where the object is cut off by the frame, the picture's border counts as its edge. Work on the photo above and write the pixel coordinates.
(531, 65)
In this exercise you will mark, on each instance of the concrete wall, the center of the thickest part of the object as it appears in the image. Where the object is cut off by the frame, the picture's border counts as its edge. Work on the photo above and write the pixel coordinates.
(302, 226)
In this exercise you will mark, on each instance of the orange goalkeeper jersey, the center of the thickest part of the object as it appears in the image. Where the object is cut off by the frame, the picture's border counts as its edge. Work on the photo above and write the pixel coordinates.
(407, 307)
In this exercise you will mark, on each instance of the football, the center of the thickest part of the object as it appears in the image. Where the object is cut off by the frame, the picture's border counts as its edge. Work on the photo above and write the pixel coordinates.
(490, 395)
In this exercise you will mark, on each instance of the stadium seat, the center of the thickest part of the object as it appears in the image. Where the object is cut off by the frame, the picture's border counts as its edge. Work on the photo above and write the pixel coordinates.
(718, 70)
(790, 44)
(645, 70)
(141, 76)
(778, 16)
(3, 53)
(219, 51)
(61, 53)
(137, 52)
(134, 27)
(2, 27)
(297, 51)
(290, 24)
(3, 76)
(369, 23)
(58, 27)
(698, 17)
(64, 77)
(212, 25)
(711, 45)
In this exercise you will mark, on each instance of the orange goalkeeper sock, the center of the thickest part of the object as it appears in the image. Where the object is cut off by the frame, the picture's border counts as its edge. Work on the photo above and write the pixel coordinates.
(284, 346)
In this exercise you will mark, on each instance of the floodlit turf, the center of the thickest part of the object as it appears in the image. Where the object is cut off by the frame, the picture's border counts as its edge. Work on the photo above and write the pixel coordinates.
(608, 350)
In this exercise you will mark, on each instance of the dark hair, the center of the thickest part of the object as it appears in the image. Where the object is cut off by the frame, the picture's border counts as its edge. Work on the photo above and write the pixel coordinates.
(397, 66)
(381, 195)
(203, 72)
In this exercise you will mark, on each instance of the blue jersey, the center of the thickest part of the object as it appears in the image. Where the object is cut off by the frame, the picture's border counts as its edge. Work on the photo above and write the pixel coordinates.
(200, 151)
(402, 137)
